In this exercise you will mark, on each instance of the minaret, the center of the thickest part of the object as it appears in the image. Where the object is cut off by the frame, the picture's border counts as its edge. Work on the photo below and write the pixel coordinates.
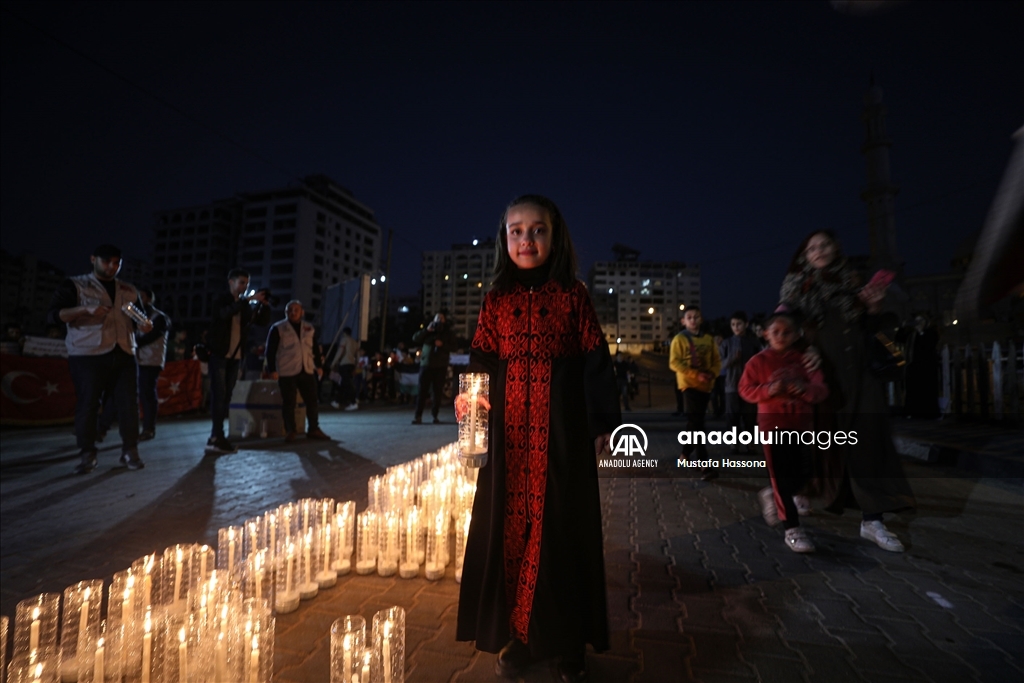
(880, 190)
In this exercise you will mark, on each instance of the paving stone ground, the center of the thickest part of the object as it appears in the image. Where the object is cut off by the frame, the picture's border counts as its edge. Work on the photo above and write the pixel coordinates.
(699, 588)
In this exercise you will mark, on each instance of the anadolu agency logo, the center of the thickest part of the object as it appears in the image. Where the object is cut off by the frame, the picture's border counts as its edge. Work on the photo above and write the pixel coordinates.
(629, 442)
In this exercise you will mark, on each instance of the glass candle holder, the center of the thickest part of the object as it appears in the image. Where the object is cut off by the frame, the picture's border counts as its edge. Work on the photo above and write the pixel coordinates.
(35, 627)
(437, 542)
(348, 641)
(256, 651)
(410, 544)
(388, 638)
(461, 534)
(325, 509)
(307, 508)
(474, 388)
(289, 519)
(177, 577)
(205, 562)
(326, 574)
(146, 571)
(286, 594)
(230, 553)
(254, 539)
(80, 617)
(270, 532)
(345, 523)
(259, 579)
(366, 542)
(308, 587)
(98, 660)
(375, 494)
(389, 547)
(178, 650)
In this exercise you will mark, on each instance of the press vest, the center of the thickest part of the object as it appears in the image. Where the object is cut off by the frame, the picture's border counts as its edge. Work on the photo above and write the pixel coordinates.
(90, 337)
(294, 355)
(154, 353)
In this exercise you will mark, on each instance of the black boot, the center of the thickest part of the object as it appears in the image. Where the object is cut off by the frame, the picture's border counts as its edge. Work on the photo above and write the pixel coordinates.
(88, 463)
(513, 659)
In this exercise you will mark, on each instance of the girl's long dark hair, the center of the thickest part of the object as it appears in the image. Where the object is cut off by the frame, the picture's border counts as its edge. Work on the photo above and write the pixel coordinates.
(799, 260)
(562, 261)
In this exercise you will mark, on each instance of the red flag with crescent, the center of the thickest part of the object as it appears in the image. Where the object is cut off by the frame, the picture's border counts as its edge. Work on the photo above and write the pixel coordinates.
(35, 391)
(38, 391)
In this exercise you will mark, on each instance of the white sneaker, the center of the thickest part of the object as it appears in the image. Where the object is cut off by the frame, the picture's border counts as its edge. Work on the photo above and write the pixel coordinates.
(335, 404)
(767, 499)
(798, 542)
(803, 505)
(885, 539)
(352, 406)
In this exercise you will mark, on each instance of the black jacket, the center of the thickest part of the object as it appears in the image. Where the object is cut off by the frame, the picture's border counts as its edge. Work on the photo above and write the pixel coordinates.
(224, 308)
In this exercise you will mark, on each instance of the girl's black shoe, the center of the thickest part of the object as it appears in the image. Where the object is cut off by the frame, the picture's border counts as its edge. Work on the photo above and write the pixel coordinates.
(513, 659)
(572, 669)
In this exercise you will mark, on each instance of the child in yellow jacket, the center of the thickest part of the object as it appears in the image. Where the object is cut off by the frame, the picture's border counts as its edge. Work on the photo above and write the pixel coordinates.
(695, 359)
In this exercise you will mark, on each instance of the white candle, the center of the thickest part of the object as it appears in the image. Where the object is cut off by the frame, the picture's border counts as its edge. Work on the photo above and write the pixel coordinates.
(83, 618)
(33, 632)
(231, 549)
(147, 651)
(259, 582)
(182, 657)
(347, 671)
(126, 602)
(221, 661)
(177, 577)
(288, 572)
(252, 537)
(254, 661)
(386, 651)
(327, 547)
(147, 590)
(305, 556)
(273, 534)
(472, 420)
(97, 667)
(366, 666)
(202, 562)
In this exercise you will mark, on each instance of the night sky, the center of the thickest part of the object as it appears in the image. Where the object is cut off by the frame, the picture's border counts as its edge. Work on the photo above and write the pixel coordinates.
(711, 133)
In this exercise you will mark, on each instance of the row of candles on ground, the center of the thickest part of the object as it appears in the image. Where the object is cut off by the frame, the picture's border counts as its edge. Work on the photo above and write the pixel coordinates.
(214, 609)
(214, 633)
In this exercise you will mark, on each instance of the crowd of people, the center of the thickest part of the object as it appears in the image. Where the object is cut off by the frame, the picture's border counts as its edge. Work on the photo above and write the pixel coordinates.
(533, 582)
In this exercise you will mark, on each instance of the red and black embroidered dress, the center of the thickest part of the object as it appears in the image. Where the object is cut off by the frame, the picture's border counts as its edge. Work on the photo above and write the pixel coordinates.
(534, 566)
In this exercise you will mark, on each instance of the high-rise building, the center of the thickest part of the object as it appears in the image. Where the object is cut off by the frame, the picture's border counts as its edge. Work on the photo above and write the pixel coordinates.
(639, 303)
(296, 241)
(455, 281)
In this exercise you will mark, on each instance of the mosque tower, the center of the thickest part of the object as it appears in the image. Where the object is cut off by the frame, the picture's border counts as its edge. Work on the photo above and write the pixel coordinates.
(880, 190)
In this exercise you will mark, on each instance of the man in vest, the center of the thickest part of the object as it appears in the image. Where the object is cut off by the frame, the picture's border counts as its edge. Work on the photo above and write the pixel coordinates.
(234, 312)
(151, 353)
(293, 357)
(101, 352)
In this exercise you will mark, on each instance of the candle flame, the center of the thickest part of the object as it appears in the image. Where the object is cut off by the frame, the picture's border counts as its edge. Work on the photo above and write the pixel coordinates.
(255, 642)
(179, 554)
(86, 593)
(387, 628)
(148, 624)
(181, 634)
(35, 613)
(131, 581)
(99, 643)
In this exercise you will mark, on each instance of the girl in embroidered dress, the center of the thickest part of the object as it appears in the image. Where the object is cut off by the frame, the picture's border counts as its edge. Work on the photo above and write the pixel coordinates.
(533, 582)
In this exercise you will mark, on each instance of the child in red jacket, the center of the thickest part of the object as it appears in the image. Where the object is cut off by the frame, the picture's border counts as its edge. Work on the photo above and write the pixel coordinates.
(784, 391)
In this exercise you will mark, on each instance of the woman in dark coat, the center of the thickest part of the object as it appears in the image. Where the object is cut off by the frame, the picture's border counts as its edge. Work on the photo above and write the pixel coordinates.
(533, 582)
(867, 474)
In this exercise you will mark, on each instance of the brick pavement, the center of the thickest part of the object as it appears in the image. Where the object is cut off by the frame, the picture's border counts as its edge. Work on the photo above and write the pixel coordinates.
(699, 587)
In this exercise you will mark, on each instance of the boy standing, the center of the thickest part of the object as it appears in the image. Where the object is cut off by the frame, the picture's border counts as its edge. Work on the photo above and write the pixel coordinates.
(736, 351)
(694, 358)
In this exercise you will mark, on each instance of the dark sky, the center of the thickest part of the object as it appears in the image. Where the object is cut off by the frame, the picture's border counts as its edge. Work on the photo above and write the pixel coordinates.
(716, 133)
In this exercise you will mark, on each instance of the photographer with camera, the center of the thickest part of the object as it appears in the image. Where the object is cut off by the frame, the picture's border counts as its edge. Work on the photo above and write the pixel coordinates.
(234, 312)
(438, 343)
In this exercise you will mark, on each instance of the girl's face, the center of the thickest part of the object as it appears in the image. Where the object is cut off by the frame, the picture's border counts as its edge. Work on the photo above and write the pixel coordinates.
(528, 233)
(820, 251)
(781, 335)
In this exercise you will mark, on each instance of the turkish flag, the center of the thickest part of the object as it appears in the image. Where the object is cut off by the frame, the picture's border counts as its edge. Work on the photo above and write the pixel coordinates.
(35, 391)
(180, 387)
